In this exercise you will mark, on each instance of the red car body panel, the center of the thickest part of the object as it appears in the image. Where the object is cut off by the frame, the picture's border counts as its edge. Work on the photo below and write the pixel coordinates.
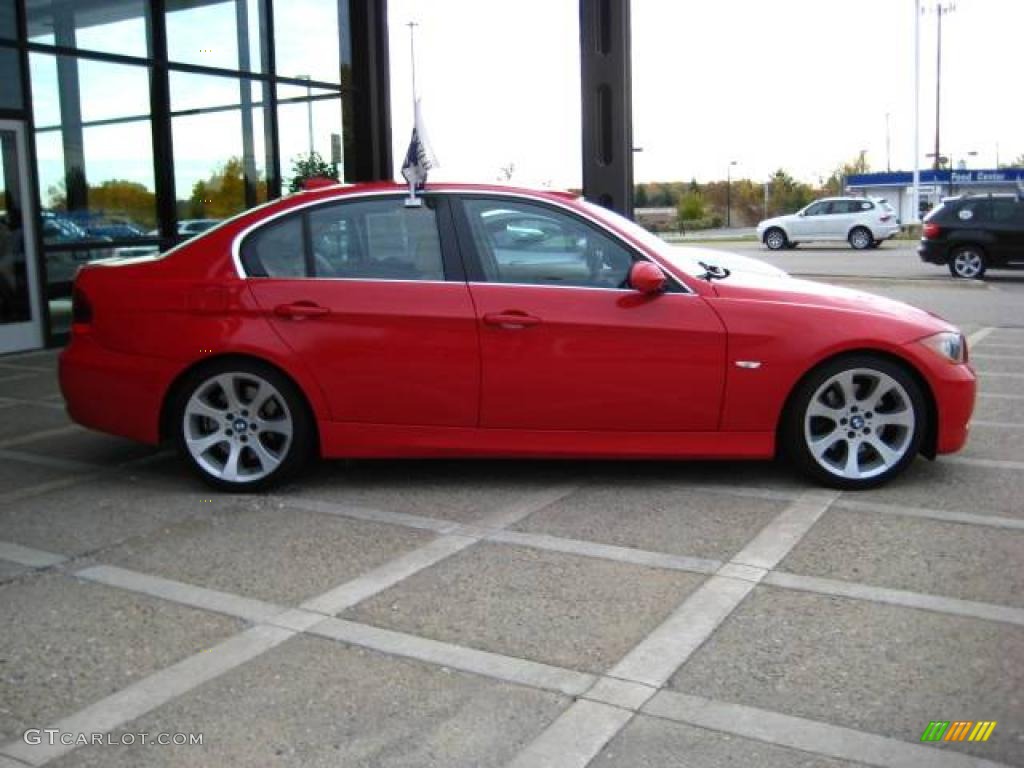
(404, 368)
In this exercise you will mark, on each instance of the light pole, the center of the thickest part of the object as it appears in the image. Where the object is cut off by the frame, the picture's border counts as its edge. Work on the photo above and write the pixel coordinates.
(940, 11)
(728, 194)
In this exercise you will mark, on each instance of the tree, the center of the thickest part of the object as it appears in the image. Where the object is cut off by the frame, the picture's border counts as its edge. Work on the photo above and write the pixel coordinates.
(1018, 163)
(691, 206)
(835, 183)
(640, 196)
(310, 166)
(787, 194)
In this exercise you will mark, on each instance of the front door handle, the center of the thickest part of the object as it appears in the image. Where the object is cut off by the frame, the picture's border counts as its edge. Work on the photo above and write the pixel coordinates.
(300, 309)
(511, 319)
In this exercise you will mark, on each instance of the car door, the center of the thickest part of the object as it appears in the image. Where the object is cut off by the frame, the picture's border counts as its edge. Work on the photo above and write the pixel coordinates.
(1006, 217)
(364, 293)
(839, 219)
(565, 344)
(807, 223)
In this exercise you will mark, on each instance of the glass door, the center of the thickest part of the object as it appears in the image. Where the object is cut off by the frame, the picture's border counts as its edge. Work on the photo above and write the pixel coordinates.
(20, 320)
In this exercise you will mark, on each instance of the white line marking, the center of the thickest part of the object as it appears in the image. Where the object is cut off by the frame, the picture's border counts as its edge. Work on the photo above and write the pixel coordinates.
(806, 735)
(48, 461)
(742, 572)
(985, 463)
(936, 603)
(998, 424)
(387, 575)
(999, 396)
(606, 551)
(152, 691)
(42, 434)
(17, 377)
(368, 514)
(493, 665)
(998, 375)
(780, 535)
(33, 558)
(22, 401)
(657, 656)
(993, 521)
(978, 336)
(179, 592)
(575, 738)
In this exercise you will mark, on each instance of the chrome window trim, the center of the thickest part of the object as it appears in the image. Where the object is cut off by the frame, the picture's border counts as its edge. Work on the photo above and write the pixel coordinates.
(236, 243)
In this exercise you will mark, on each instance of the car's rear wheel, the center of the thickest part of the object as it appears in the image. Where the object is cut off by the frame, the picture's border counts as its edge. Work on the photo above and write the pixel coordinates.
(855, 422)
(967, 262)
(860, 238)
(775, 239)
(241, 425)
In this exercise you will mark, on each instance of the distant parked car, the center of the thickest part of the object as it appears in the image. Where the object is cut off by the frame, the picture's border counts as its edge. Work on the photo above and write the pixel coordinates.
(115, 230)
(192, 227)
(972, 233)
(862, 222)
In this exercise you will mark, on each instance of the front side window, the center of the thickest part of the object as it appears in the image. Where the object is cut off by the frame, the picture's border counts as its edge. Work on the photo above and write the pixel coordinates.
(815, 210)
(531, 244)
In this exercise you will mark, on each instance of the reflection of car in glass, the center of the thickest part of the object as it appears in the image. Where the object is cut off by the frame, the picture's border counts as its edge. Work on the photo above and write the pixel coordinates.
(115, 231)
(860, 221)
(973, 233)
(502, 323)
(193, 227)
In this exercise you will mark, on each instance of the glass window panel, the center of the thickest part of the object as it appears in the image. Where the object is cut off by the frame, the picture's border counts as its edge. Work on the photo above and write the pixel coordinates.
(10, 79)
(8, 21)
(312, 39)
(207, 33)
(110, 26)
(376, 240)
(219, 146)
(276, 250)
(298, 108)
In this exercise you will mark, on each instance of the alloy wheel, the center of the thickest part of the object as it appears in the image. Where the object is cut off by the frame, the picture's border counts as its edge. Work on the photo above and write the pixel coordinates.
(859, 424)
(237, 427)
(775, 239)
(968, 263)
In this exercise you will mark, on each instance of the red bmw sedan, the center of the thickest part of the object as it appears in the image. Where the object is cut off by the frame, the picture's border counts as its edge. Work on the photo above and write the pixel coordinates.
(497, 322)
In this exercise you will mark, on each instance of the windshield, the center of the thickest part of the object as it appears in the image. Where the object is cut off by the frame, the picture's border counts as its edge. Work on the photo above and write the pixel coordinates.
(675, 256)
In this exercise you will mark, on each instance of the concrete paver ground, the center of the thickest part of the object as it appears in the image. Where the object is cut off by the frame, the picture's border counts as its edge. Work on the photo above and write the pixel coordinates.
(480, 613)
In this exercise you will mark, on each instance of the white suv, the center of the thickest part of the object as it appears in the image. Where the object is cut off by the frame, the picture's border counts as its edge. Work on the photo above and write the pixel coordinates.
(862, 221)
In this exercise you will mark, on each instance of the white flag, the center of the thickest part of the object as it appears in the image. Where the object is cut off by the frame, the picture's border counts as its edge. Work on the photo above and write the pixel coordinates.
(419, 158)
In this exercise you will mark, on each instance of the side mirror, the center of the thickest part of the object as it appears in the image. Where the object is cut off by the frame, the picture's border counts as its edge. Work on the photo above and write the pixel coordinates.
(801, 214)
(646, 278)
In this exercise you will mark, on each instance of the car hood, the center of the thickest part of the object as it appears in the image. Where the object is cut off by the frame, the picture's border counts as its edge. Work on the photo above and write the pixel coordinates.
(688, 258)
(794, 291)
(777, 220)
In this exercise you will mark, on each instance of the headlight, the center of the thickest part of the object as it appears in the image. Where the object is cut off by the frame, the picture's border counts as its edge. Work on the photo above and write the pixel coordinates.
(952, 346)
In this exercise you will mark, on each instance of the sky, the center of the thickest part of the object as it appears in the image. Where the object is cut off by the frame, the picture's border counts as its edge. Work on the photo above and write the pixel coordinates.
(801, 85)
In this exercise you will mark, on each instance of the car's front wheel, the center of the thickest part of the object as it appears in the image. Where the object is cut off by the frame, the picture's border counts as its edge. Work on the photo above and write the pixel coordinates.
(241, 425)
(855, 422)
(967, 262)
(775, 239)
(860, 238)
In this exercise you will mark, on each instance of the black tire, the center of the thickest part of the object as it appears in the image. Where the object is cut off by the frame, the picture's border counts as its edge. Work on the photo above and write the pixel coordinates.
(883, 419)
(968, 262)
(875, 244)
(860, 238)
(268, 445)
(775, 239)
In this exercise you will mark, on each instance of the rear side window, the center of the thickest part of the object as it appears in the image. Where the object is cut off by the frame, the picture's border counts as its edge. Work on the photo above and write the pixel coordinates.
(276, 250)
(974, 211)
(377, 239)
(1005, 211)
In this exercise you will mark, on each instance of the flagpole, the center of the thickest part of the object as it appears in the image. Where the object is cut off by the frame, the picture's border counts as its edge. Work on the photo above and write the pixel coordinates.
(412, 201)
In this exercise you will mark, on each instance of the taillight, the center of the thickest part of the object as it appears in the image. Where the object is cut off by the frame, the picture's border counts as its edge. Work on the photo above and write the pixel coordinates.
(931, 230)
(81, 308)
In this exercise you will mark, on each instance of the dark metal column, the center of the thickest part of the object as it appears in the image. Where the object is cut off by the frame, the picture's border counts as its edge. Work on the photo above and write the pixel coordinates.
(76, 187)
(163, 144)
(367, 96)
(607, 104)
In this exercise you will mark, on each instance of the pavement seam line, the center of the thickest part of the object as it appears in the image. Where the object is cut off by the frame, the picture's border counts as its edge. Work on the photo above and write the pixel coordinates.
(985, 463)
(48, 461)
(811, 736)
(998, 424)
(579, 734)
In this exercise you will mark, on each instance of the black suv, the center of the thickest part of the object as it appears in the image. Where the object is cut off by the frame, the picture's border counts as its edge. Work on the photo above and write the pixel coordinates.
(973, 233)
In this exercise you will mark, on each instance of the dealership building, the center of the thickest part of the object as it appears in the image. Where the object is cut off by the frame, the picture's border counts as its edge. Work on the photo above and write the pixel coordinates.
(127, 124)
(898, 186)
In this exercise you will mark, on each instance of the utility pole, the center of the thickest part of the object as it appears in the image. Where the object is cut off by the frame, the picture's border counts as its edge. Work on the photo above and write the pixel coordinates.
(915, 216)
(888, 157)
(728, 194)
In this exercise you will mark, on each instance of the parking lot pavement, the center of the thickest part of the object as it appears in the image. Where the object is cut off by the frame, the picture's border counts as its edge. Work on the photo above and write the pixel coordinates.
(531, 614)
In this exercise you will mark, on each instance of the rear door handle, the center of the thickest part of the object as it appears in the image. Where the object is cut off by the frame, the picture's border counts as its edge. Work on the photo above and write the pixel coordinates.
(300, 309)
(511, 319)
